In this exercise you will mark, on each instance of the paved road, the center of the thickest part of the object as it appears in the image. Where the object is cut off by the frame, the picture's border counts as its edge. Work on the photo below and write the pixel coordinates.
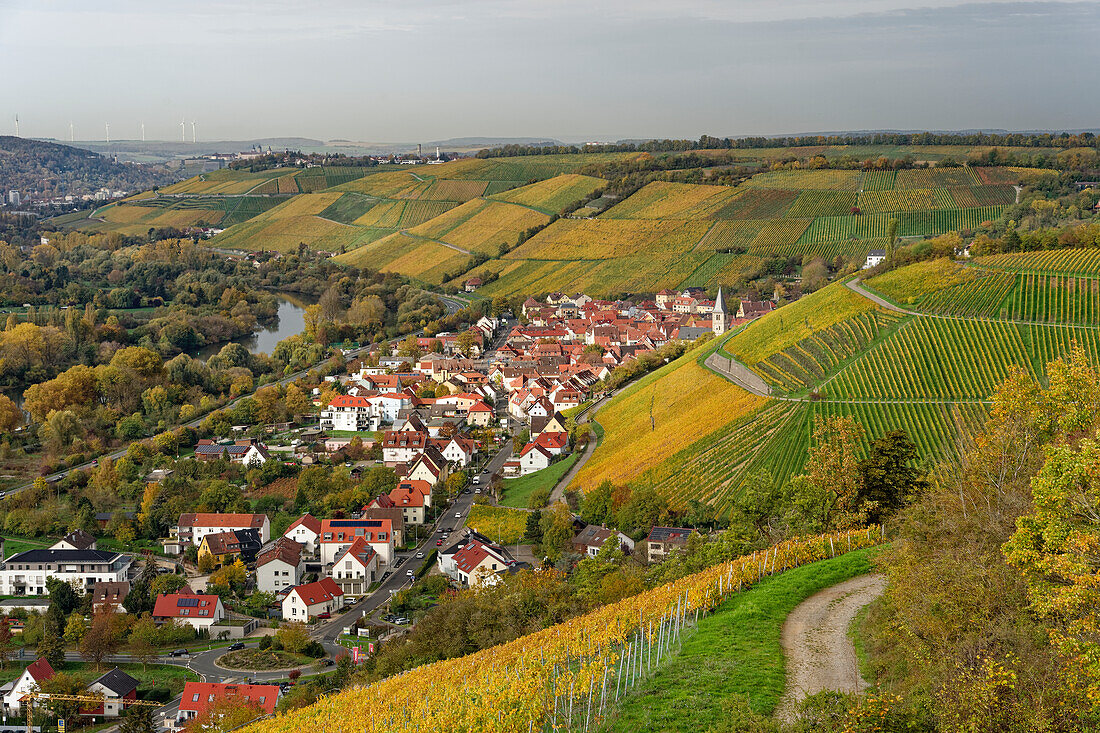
(558, 492)
(857, 287)
(739, 374)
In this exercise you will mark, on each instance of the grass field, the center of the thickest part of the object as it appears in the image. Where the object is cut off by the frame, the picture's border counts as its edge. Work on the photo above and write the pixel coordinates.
(517, 491)
(733, 653)
(662, 413)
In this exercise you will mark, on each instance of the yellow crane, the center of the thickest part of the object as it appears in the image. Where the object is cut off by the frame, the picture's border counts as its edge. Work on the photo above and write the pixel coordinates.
(30, 697)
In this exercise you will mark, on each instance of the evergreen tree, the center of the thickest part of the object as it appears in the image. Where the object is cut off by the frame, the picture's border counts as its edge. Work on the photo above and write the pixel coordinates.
(52, 646)
(138, 720)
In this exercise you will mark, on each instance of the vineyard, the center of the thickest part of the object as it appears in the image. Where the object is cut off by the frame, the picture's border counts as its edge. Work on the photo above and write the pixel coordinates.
(500, 524)
(836, 180)
(554, 194)
(411, 256)
(536, 682)
(937, 178)
(662, 413)
(907, 285)
(912, 199)
(594, 239)
(1080, 262)
(953, 359)
(812, 204)
(661, 200)
(481, 225)
(806, 363)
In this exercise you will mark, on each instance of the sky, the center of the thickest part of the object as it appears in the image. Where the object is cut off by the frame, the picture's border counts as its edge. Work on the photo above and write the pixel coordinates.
(422, 70)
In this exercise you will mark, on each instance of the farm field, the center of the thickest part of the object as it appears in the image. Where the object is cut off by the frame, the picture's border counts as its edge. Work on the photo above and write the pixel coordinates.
(481, 225)
(299, 220)
(498, 523)
(136, 216)
(601, 239)
(228, 181)
(1081, 262)
(411, 256)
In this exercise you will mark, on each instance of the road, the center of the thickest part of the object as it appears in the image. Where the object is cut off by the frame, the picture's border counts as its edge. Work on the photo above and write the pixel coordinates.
(452, 305)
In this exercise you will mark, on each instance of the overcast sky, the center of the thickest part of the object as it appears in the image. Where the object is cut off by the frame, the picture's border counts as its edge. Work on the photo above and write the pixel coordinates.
(407, 70)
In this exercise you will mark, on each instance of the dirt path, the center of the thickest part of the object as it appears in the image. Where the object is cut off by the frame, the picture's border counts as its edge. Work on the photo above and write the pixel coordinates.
(820, 656)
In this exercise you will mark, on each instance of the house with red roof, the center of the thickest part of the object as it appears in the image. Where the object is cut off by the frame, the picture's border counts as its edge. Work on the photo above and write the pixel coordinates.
(403, 446)
(280, 566)
(479, 414)
(305, 531)
(414, 498)
(555, 444)
(338, 534)
(355, 568)
(197, 697)
(29, 680)
(195, 610)
(304, 602)
(533, 458)
(192, 527)
(349, 412)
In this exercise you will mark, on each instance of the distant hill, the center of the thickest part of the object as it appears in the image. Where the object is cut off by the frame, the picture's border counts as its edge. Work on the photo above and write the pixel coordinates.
(38, 167)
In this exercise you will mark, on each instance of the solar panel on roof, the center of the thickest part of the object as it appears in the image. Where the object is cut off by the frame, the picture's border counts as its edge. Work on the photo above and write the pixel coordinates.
(187, 602)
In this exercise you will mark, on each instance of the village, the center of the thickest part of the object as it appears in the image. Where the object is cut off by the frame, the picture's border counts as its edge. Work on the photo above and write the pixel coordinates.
(448, 420)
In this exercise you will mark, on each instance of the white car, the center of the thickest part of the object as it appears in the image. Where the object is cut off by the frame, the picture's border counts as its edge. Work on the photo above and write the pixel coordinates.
(409, 572)
(458, 515)
(419, 555)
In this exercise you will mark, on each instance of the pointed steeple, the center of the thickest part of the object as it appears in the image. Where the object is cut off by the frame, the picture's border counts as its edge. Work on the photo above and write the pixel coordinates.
(720, 303)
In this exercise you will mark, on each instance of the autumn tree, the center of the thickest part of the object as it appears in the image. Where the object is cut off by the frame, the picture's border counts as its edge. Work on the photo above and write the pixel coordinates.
(65, 683)
(103, 637)
(7, 641)
(138, 720)
(11, 416)
(833, 469)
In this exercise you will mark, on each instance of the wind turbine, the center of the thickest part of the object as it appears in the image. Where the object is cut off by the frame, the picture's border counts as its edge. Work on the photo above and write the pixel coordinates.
(72, 135)
(143, 132)
(108, 126)
(194, 139)
(183, 131)
(17, 125)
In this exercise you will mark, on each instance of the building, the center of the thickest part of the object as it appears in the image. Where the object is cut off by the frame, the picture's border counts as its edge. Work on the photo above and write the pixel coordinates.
(111, 595)
(305, 531)
(754, 308)
(403, 446)
(472, 284)
(280, 567)
(304, 602)
(197, 611)
(429, 466)
(116, 686)
(338, 534)
(193, 527)
(347, 412)
(225, 547)
(590, 540)
(247, 452)
(25, 573)
(476, 560)
(14, 199)
(480, 415)
(534, 458)
(719, 317)
(29, 680)
(197, 697)
(874, 258)
(663, 541)
(355, 568)
(75, 540)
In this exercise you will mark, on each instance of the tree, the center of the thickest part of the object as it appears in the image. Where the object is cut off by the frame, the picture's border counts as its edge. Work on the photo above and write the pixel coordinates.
(556, 524)
(138, 720)
(465, 342)
(52, 646)
(226, 714)
(11, 416)
(102, 638)
(233, 575)
(887, 478)
(293, 636)
(891, 240)
(597, 504)
(143, 641)
(75, 628)
(834, 469)
(6, 641)
(533, 532)
(64, 683)
(296, 401)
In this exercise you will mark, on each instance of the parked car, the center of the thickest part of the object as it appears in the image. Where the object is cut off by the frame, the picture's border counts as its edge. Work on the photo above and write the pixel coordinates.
(477, 479)
(409, 572)
(458, 515)
(326, 662)
(419, 555)
(439, 543)
(324, 615)
(236, 645)
(467, 491)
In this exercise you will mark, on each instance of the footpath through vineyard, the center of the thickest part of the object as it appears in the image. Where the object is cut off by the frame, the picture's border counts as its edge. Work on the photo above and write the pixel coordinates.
(567, 677)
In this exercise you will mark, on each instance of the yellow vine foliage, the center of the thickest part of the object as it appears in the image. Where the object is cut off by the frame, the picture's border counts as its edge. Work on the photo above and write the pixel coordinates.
(507, 688)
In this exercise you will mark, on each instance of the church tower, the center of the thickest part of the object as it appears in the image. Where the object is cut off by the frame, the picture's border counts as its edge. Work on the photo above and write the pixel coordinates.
(719, 317)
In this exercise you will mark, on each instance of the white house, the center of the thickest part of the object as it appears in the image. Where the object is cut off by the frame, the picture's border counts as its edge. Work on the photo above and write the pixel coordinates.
(30, 679)
(192, 527)
(305, 531)
(25, 573)
(197, 611)
(115, 687)
(874, 257)
(388, 406)
(280, 567)
(533, 458)
(75, 540)
(355, 568)
(459, 451)
(348, 412)
(308, 601)
(402, 446)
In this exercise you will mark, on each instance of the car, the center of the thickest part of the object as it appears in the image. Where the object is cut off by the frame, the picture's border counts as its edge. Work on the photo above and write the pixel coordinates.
(467, 491)
(477, 479)
(458, 515)
(448, 529)
(419, 555)
(235, 646)
(478, 491)
(178, 653)
(326, 662)
(400, 621)
(324, 615)
(347, 464)
(439, 543)
(95, 461)
(409, 572)
(389, 617)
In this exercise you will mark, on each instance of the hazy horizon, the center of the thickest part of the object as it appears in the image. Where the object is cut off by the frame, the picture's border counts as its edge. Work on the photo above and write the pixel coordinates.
(396, 72)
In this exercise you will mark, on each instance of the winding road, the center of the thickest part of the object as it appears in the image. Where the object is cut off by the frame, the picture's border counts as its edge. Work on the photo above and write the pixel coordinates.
(820, 654)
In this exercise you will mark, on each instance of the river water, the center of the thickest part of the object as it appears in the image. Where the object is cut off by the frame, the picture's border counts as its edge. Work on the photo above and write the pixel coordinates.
(291, 321)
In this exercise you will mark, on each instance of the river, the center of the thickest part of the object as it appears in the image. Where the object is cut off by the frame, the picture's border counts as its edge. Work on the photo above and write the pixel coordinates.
(291, 320)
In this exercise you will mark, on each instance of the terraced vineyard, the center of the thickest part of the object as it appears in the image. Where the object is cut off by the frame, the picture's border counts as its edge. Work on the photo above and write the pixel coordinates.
(952, 359)
(1081, 262)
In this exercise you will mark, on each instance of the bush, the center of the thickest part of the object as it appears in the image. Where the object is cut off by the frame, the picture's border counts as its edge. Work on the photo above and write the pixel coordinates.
(314, 649)
(538, 498)
(265, 642)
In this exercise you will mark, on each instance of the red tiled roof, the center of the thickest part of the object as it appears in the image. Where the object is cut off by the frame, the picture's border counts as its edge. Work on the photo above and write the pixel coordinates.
(308, 521)
(40, 670)
(182, 605)
(255, 521)
(323, 590)
(198, 696)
